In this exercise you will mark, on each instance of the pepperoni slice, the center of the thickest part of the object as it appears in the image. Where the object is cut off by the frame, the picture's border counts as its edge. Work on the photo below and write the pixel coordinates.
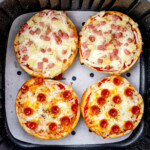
(24, 88)
(115, 129)
(65, 121)
(74, 107)
(55, 109)
(128, 92)
(117, 81)
(59, 77)
(105, 93)
(67, 94)
(101, 101)
(61, 86)
(117, 99)
(103, 123)
(95, 110)
(53, 126)
(41, 97)
(113, 112)
(128, 125)
(135, 110)
(39, 80)
(27, 111)
(31, 125)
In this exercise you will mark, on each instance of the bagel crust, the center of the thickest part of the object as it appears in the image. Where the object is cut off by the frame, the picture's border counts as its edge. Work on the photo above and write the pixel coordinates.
(47, 44)
(110, 42)
(112, 107)
(47, 109)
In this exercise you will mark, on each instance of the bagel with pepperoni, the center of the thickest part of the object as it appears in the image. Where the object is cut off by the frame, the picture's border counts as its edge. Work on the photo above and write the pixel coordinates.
(46, 45)
(47, 109)
(112, 107)
(110, 42)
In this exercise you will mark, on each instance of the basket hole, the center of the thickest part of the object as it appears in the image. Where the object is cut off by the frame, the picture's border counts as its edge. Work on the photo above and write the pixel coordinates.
(90, 130)
(73, 132)
(74, 78)
(19, 73)
(83, 23)
(91, 75)
(128, 74)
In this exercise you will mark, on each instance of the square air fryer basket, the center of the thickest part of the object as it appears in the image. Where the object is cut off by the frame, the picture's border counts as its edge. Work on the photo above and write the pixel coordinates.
(139, 10)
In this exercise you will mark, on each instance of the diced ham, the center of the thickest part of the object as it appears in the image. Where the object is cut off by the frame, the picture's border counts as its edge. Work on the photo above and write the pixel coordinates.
(64, 52)
(91, 38)
(127, 52)
(44, 37)
(51, 65)
(124, 29)
(49, 49)
(118, 27)
(58, 40)
(54, 18)
(54, 34)
(45, 60)
(108, 32)
(115, 18)
(38, 31)
(40, 65)
(108, 67)
(84, 44)
(24, 50)
(41, 14)
(91, 26)
(42, 24)
(57, 58)
(115, 51)
(126, 44)
(118, 35)
(60, 33)
(113, 26)
(43, 50)
(86, 53)
(101, 47)
(25, 57)
(72, 35)
(48, 30)
(111, 56)
(30, 43)
(65, 36)
(99, 32)
(23, 28)
(129, 40)
(100, 60)
(118, 43)
(102, 23)
(31, 32)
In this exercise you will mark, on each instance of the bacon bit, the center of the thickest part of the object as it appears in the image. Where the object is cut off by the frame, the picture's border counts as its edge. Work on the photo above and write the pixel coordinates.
(49, 49)
(64, 52)
(59, 77)
(51, 65)
(38, 31)
(40, 65)
(31, 32)
(25, 57)
(58, 40)
(129, 40)
(100, 61)
(24, 50)
(84, 44)
(42, 24)
(42, 50)
(45, 60)
(108, 67)
(127, 52)
(118, 43)
(91, 38)
(86, 53)
(44, 37)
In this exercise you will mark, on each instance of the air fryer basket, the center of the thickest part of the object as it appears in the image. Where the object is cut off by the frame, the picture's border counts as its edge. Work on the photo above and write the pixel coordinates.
(139, 10)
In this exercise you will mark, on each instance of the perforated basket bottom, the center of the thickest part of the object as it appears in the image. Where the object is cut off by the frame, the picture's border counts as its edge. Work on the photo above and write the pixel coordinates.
(81, 76)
